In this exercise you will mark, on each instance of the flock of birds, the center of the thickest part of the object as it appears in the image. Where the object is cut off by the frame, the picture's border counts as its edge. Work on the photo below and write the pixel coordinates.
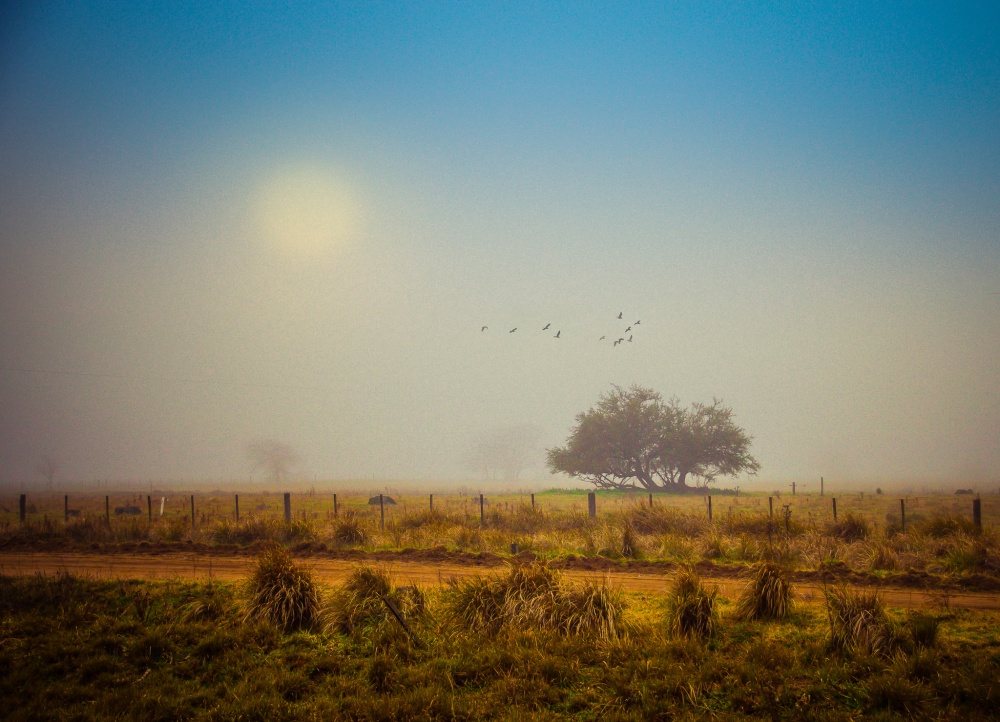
(617, 341)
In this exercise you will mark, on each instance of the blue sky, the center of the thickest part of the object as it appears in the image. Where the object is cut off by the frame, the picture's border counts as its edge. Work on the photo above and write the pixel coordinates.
(799, 200)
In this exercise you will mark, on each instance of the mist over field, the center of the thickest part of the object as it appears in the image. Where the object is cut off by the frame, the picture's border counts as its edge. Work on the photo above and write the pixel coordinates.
(221, 225)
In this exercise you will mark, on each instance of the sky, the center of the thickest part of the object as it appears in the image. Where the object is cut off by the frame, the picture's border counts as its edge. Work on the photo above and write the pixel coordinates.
(225, 222)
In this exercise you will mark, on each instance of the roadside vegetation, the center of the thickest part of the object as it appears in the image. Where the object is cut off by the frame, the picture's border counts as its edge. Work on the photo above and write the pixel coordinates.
(520, 644)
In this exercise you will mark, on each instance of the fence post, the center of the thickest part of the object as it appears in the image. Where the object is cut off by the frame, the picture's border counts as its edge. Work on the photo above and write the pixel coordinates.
(107, 510)
(192, 511)
(66, 509)
(650, 500)
(22, 505)
(902, 514)
(710, 508)
(432, 502)
(149, 507)
(977, 514)
(334, 506)
(821, 486)
(237, 508)
(592, 504)
(288, 508)
(482, 513)
(532, 502)
(835, 508)
(770, 506)
(381, 511)
(793, 488)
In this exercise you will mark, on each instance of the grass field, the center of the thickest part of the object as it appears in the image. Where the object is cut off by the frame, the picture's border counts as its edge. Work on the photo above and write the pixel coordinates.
(514, 638)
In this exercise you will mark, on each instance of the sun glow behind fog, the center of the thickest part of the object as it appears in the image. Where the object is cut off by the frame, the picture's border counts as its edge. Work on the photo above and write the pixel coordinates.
(307, 210)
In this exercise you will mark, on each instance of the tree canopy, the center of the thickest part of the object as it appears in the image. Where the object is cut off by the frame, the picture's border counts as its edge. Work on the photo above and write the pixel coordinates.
(633, 438)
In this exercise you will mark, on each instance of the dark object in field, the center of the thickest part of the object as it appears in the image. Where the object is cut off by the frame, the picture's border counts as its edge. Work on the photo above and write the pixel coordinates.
(388, 500)
(73, 512)
(127, 510)
(262, 507)
(967, 492)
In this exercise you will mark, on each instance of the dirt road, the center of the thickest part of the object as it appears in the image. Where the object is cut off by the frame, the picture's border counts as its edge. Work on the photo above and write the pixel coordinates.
(199, 567)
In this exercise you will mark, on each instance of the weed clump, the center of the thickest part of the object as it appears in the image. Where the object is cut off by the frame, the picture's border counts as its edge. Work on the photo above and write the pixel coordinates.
(691, 611)
(946, 525)
(663, 520)
(768, 595)
(280, 592)
(252, 529)
(923, 629)
(533, 595)
(859, 623)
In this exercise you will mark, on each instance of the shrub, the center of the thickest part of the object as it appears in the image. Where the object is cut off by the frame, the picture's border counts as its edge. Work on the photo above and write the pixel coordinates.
(630, 544)
(858, 622)
(280, 592)
(691, 611)
(253, 529)
(882, 557)
(850, 528)
(768, 595)
(663, 520)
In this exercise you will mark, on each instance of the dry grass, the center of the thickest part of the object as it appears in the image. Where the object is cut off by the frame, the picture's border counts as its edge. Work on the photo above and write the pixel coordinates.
(280, 592)
(691, 609)
(350, 531)
(859, 623)
(360, 604)
(768, 595)
(850, 528)
(533, 596)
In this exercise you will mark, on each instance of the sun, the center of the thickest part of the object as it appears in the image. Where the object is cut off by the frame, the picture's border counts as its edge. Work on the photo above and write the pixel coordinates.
(307, 210)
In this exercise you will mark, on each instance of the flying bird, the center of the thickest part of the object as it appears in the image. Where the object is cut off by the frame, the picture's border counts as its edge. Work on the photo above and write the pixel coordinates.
(637, 323)
(547, 327)
(602, 338)
(483, 329)
(620, 314)
(512, 330)
(628, 329)
(557, 334)
(617, 342)
(630, 339)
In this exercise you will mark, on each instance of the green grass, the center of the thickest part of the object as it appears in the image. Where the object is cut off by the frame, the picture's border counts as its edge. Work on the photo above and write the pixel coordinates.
(78, 649)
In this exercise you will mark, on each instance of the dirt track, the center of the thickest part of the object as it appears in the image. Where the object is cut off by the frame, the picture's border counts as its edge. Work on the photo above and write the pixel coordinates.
(197, 566)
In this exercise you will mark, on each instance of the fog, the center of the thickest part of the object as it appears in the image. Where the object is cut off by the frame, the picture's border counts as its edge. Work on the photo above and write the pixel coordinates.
(204, 244)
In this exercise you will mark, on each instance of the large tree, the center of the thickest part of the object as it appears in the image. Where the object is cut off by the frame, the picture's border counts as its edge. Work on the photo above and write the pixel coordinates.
(633, 438)
(275, 457)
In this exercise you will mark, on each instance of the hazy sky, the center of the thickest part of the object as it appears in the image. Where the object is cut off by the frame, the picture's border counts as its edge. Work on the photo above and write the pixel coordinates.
(228, 221)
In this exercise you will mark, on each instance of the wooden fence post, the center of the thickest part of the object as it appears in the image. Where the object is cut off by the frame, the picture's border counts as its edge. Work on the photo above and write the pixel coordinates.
(902, 514)
(532, 502)
(149, 507)
(237, 496)
(482, 512)
(107, 510)
(821, 486)
(977, 514)
(288, 508)
(22, 503)
(381, 510)
(710, 508)
(793, 488)
(770, 506)
(835, 508)
(650, 500)
(66, 509)
(432, 502)
(192, 512)
(592, 504)
(334, 506)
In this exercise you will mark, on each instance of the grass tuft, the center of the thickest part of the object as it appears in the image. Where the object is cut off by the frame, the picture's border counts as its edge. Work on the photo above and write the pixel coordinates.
(691, 610)
(768, 595)
(850, 528)
(280, 592)
(360, 603)
(350, 531)
(859, 623)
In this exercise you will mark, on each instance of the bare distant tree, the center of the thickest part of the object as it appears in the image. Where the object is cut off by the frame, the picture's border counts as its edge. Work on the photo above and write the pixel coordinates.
(275, 457)
(505, 452)
(48, 467)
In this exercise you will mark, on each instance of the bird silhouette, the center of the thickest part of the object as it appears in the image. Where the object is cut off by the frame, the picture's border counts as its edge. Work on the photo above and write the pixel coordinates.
(557, 334)
(628, 329)
(637, 323)
(602, 338)
(483, 329)
(619, 340)
(630, 339)
(620, 314)
(512, 330)
(547, 327)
